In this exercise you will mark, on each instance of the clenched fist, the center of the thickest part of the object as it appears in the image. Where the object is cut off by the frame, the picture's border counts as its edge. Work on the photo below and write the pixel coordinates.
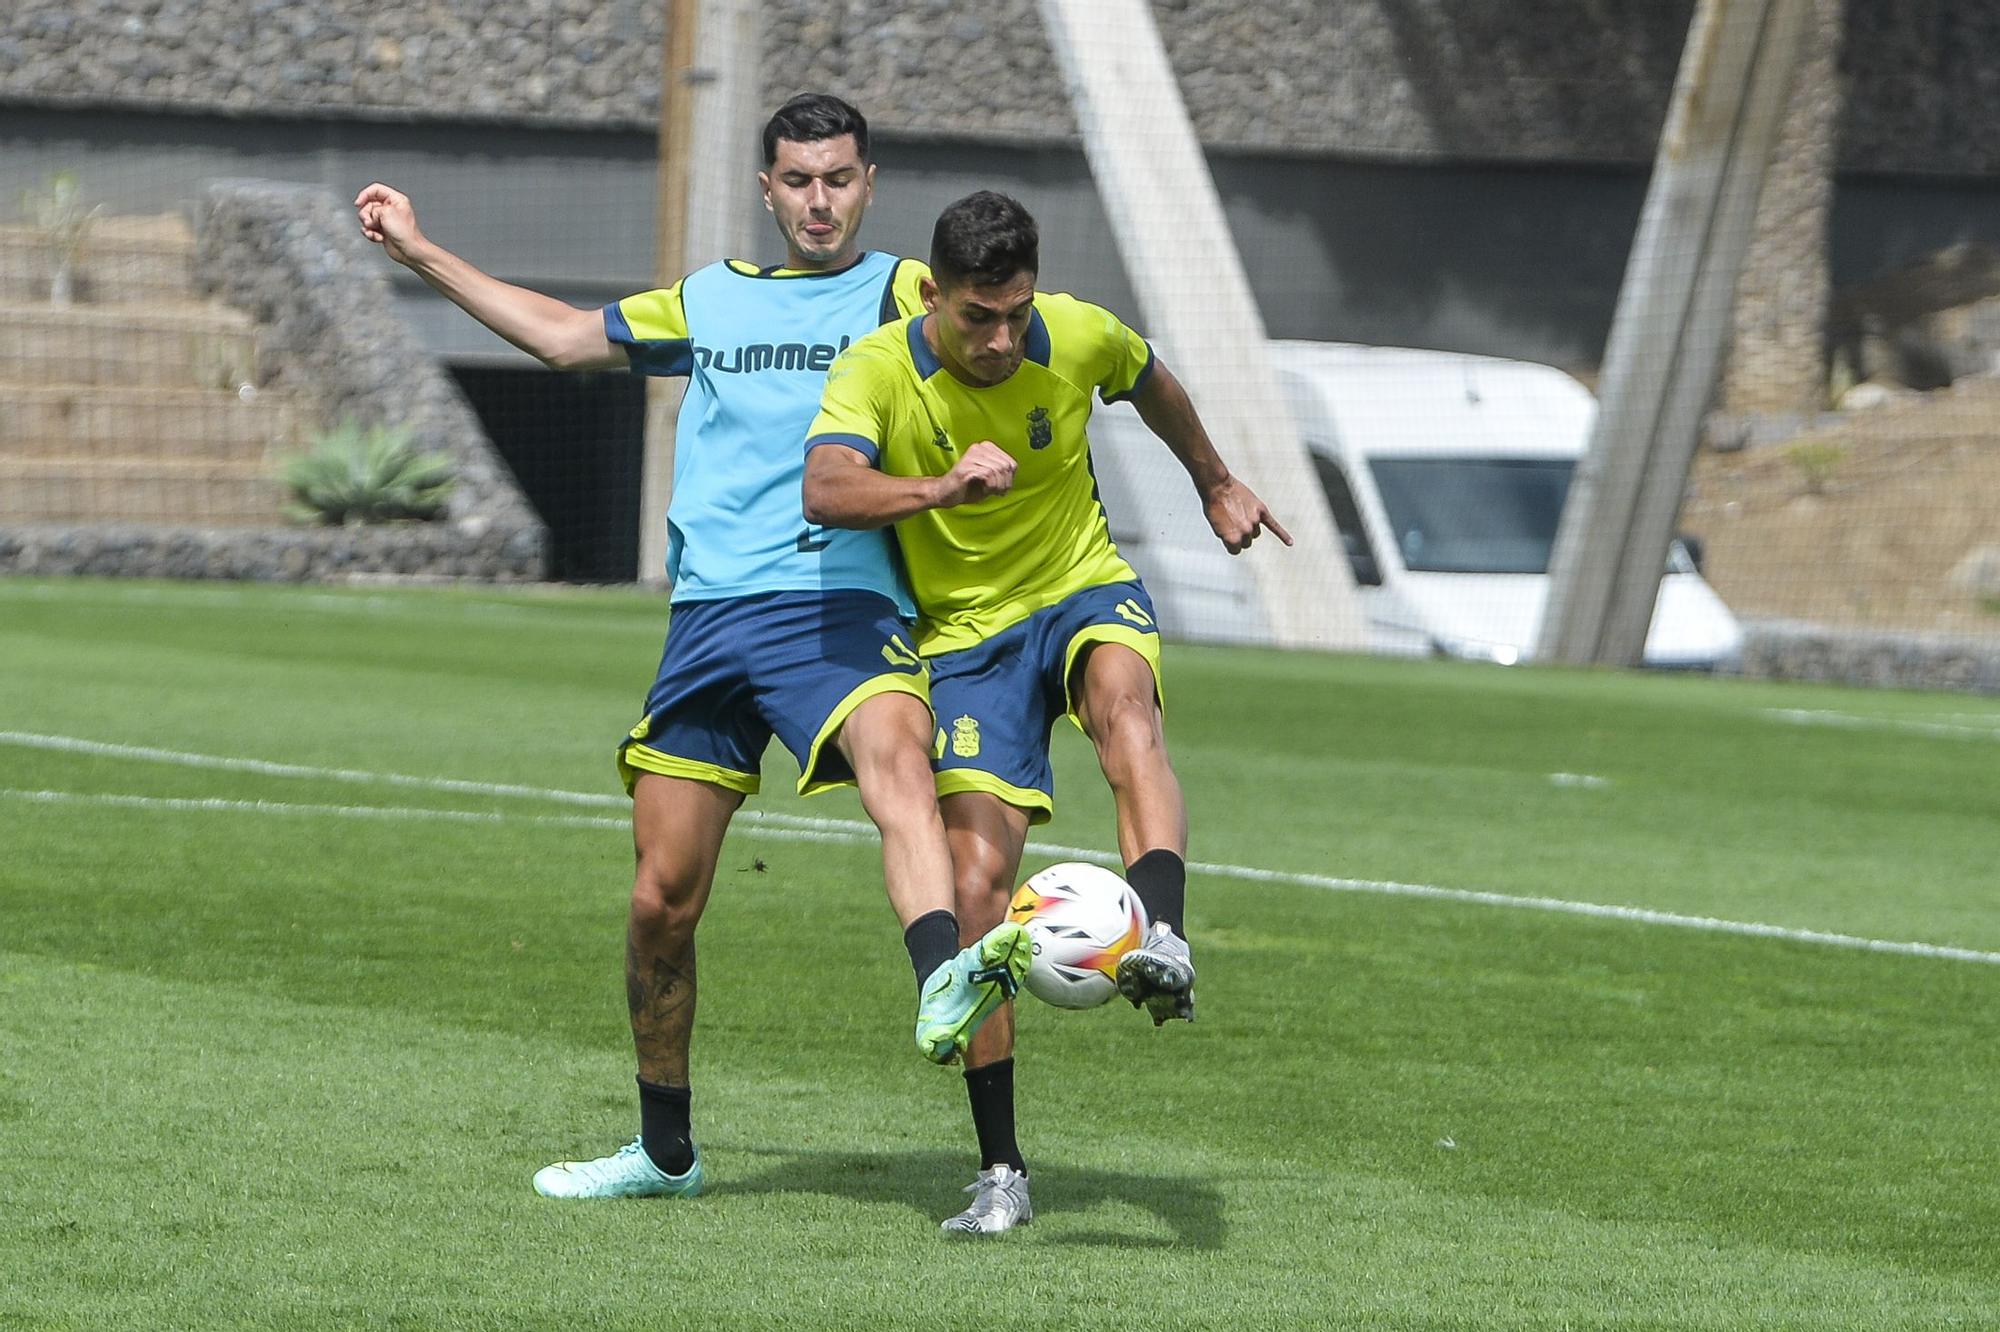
(985, 470)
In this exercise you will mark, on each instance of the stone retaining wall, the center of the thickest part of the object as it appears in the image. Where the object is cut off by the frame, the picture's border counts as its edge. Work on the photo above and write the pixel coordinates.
(1791, 650)
(290, 555)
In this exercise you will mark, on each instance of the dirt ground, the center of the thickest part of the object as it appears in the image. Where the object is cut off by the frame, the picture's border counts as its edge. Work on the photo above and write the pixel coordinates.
(1860, 522)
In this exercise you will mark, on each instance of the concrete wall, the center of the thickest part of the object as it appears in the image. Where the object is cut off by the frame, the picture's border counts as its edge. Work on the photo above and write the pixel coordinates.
(1556, 80)
(1362, 251)
(1308, 106)
(1450, 173)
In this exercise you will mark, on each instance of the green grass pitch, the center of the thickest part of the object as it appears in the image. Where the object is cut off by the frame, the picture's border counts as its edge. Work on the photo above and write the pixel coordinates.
(280, 1046)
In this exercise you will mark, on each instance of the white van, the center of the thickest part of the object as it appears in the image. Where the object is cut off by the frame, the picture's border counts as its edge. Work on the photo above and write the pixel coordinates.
(1446, 476)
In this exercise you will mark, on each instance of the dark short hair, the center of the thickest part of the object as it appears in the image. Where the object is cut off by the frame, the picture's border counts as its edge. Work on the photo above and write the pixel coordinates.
(810, 117)
(985, 238)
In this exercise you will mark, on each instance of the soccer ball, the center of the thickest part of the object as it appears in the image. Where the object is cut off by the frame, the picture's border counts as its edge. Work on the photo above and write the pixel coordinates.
(1081, 919)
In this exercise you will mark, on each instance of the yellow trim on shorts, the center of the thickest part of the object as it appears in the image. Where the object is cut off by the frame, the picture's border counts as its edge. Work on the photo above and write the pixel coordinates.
(959, 781)
(1145, 644)
(874, 685)
(636, 758)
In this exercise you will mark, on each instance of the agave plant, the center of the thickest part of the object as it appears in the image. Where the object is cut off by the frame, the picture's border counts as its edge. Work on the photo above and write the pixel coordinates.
(366, 474)
(56, 210)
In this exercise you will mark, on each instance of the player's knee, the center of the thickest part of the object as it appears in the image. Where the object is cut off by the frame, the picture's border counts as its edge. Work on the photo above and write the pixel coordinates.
(897, 785)
(1129, 736)
(663, 902)
(886, 732)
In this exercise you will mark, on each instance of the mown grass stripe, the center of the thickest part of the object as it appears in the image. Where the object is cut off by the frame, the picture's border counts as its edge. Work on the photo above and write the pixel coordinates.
(786, 827)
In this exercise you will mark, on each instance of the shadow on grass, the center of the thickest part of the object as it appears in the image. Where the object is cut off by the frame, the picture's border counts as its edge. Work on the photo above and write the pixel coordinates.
(928, 1181)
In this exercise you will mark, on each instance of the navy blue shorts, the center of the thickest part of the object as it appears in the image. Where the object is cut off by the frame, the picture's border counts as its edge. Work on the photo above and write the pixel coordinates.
(996, 702)
(739, 670)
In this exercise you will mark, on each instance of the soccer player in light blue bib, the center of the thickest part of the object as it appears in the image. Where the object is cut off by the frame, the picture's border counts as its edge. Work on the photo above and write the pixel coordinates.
(778, 627)
(965, 428)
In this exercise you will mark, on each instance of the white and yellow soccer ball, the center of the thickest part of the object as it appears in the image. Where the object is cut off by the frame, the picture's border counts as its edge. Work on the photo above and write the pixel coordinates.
(1081, 919)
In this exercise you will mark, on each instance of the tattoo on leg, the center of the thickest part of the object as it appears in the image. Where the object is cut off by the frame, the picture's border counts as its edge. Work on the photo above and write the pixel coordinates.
(659, 991)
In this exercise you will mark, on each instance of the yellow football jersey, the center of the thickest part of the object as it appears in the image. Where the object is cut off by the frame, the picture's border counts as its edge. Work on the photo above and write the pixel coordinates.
(980, 567)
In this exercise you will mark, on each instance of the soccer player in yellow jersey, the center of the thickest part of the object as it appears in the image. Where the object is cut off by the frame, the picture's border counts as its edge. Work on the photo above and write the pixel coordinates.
(964, 427)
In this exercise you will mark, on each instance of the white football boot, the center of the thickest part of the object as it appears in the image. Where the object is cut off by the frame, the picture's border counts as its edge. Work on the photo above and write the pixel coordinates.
(1159, 976)
(999, 1203)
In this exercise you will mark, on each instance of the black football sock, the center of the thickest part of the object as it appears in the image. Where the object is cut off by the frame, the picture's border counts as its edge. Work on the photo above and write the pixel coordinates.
(932, 939)
(663, 1126)
(991, 1088)
(1160, 879)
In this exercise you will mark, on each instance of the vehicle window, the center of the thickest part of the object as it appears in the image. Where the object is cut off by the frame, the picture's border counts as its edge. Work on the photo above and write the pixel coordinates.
(1347, 520)
(1474, 515)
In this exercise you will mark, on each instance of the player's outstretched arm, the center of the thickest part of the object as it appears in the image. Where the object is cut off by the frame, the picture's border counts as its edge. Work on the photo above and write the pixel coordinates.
(551, 331)
(843, 490)
(1233, 509)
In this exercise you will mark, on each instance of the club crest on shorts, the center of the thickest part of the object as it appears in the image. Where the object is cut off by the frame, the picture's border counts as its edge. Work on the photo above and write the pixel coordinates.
(965, 737)
(1040, 429)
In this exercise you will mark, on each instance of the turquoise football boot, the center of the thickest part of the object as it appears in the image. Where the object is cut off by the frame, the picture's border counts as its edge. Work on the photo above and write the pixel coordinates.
(626, 1173)
(963, 992)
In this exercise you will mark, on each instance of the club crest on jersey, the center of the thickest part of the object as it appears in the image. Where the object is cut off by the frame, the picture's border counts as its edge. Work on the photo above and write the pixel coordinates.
(1040, 429)
(965, 737)
(941, 440)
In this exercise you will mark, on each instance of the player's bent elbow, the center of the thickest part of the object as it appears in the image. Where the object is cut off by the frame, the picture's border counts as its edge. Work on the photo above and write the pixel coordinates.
(821, 498)
(822, 510)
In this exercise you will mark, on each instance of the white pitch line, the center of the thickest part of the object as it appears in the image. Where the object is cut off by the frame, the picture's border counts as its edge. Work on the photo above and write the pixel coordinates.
(860, 833)
(1856, 722)
(782, 827)
(100, 749)
(182, 758)
(1640, 915)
